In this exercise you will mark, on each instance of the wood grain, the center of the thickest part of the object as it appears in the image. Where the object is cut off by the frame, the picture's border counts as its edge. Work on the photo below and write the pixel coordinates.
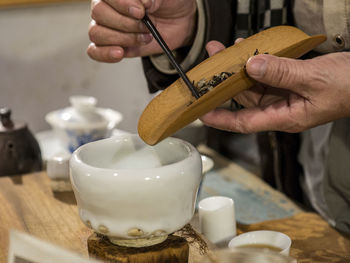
(173, 250)
(175, 107)
(313, 239)
(28, 204)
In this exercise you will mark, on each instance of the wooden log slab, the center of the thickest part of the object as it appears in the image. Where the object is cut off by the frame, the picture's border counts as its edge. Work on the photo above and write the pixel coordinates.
(174, 249)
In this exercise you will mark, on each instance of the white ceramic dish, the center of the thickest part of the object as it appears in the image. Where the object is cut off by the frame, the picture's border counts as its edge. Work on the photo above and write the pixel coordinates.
(128, 190)
(267, 237)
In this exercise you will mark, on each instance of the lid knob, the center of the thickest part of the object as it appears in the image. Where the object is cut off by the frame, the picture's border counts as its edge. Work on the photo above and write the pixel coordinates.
(83, 103)
(5, 118)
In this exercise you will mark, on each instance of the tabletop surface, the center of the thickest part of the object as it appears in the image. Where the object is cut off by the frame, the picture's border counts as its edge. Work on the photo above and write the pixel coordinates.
(29, 205)
(255, 201)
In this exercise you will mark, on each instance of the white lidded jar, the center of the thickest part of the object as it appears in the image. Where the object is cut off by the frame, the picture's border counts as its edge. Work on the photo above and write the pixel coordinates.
(83, 122)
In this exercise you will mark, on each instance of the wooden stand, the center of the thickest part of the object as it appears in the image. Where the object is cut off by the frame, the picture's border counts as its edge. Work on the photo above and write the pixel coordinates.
(173, 250)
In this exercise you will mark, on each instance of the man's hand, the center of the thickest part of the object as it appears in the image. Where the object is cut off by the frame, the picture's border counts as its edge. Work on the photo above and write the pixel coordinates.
(293, 95)
(117, 31)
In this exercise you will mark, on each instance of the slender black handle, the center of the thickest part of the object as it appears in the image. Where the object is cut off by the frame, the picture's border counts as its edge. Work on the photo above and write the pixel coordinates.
(167, 51)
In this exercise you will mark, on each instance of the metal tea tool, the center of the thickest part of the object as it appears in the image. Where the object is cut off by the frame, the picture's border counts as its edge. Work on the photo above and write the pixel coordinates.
(167, 51)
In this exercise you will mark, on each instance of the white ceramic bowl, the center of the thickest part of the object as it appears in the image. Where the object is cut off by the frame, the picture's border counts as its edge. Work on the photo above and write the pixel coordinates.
(244, 255)
(128, 190)
(267, 237)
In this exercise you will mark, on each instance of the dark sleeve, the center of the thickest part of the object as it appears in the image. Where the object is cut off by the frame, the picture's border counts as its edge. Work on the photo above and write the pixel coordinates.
(220, 20)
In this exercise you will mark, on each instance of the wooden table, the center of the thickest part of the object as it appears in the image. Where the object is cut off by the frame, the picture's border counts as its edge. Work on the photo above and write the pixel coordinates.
(29, 205)
(255, 201)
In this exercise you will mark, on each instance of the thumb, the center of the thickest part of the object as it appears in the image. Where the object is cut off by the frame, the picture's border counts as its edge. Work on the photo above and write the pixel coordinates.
(277, 72)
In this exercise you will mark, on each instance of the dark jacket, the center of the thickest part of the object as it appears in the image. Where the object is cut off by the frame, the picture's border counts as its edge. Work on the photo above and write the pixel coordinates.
(278, 150)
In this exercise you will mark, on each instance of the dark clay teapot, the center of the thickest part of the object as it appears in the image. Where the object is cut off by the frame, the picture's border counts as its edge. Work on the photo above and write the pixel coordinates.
(19, 151)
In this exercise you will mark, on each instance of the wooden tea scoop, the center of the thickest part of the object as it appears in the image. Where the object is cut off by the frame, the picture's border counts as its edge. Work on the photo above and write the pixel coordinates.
(175, 107)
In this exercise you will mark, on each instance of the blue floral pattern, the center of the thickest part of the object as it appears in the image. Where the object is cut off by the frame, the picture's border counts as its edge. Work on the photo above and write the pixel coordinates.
(77, 139)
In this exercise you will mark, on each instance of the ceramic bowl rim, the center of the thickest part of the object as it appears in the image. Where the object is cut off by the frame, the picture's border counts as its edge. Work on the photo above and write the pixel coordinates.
(255, 251)
(243, 235)
(76, 159)
(221, 201)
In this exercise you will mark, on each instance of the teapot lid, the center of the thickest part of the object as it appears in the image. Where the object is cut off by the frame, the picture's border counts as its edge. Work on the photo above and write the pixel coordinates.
(82, 113)
(6, 123)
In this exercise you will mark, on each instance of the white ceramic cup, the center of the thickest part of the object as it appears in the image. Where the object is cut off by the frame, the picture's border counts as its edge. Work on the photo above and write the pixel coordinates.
(272, 238)
(127, 190)
(244, 255)
(217, 218)
(57, 166)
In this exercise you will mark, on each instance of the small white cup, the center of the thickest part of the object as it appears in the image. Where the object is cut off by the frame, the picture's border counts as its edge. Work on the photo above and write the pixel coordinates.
(57, 166)
(217, 218)
(267, 237)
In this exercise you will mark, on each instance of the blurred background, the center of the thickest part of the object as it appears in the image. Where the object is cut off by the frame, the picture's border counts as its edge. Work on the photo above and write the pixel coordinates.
(43, 61)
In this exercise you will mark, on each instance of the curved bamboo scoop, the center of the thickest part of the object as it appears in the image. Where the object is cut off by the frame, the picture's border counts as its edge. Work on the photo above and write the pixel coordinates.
(175, 107)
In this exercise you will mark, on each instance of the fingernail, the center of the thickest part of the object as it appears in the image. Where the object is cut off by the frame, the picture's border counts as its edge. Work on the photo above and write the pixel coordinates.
(116, 53)
(135, 12)
(256, 67)
(144, 38)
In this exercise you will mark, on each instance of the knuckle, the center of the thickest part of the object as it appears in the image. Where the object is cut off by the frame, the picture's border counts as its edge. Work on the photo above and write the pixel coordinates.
(238, 125)
(281, 73)
(97, 10)
(90, 51)
(286, 72)
(93, 33)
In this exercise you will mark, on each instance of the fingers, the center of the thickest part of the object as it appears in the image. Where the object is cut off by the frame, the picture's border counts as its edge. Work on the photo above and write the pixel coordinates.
(108, 44)
(101, 35)
(279, 116)
(238, 40)
(214, 47)
(109, 54)
(278, 72)
(105, 15)
(132, 8)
